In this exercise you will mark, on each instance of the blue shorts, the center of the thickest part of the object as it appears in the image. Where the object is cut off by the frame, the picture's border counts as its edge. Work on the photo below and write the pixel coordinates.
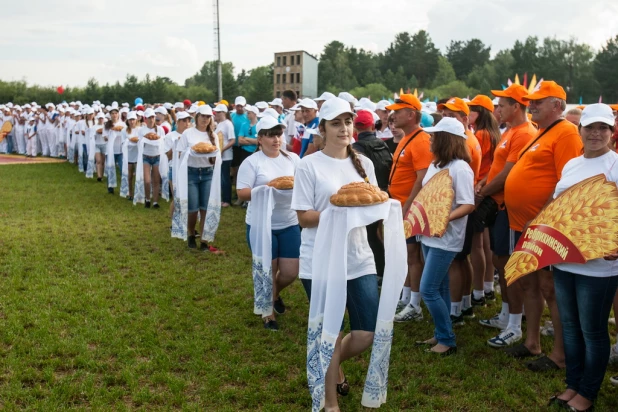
(499, 235)
(169, 174)
(361, 302)
(100, 148)
(199, 188)
(285, 242)
(151, 160)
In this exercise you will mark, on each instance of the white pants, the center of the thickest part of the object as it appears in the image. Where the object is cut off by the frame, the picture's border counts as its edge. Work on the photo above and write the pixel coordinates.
(42, 135)
(21, 142)
(53, 142)
(31, 148)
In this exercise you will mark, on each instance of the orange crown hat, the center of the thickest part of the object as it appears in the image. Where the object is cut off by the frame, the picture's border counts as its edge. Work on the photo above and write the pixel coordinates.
(406, 101)
(514, 91)
(457, 105)
(483, 101)
(546, 88)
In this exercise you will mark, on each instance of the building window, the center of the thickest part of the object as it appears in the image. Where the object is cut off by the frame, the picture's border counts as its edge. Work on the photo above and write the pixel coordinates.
(291, 60)
(278, 78)
(278, 60)
(297, 77)
(285, 59)
(278, 94)
(285, 80)
(292, 78)
(298, 59)
(298, 93)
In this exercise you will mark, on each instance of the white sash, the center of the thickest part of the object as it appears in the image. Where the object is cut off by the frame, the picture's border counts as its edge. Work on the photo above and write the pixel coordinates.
(124, 180)
(80, 154)
(140, 193)
(90, 136)
(163, 172)
(71, 148)
(110, 161)
(177, 218)
(329, 289)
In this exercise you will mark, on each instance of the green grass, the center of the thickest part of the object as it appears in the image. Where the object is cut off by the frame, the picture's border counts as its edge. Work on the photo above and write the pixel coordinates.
(100, 309)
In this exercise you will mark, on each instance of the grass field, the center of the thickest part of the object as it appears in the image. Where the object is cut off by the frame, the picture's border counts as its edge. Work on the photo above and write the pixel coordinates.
(100, 309)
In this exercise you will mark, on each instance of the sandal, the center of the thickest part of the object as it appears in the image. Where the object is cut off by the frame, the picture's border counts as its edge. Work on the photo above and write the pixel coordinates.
(343, 388)
(555, 400)
(520, 351)
(542, 364)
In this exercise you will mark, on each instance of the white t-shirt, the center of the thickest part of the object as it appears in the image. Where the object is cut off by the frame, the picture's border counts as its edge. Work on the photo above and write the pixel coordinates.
(259, 169)
(190, 138)
(98, 137)
(170, 139)
(463, 185)
(385, 134)
(150, 149)
(317, 178)
(576, 170)
(132, 149)
(225, 133)
(80, 127)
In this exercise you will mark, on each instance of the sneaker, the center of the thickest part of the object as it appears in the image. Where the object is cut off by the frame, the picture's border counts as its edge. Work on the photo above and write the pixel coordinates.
(110, 190)
(494, 323)
(478, 302)
(611, 321)
(271, 324)
(225, 204)
(505, 338)
(548, 329)
(204, 247)
(278, 306)
(99, 179)
(191, 242)
(614, 380)
(147, 204)
(155, 206)
(468, 313)
(409, 313)
(613, 355)
(400, 306)
(490, 296)
(215, 250)
(458, 320)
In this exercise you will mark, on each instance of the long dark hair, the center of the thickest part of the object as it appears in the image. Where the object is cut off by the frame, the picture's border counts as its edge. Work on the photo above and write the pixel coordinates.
(278, 131)
(351, 154)
(447, 147)
(487, 121)
(109, 124)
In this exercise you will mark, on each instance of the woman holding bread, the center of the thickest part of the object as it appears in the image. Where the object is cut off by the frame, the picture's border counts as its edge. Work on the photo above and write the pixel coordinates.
(130, 139)
(151, 158)
(269, 162)
(317, 178)
(584, 292)
(112, 134)
(448, 145)
(99, 153)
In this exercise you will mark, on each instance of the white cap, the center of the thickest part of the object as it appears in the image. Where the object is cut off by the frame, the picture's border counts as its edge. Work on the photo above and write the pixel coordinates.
(89, 110)
(220, 108)
(598, 112)
(132, 115)
(205, 110)
(192, 109)
(270, 112)
(9, 105)
(429, 107)
(149, 113)
(496, 101)
(308, 104)
(348, 98)
(276, 102)
(179, 105)
(449, 125)
(27, 106)
(240, 100)
(381, 105)
(48, 105)
(325, 96)
(100, 115)
(114, 106)
(252, 109)
(160, 110)
(167, 105)
(182, 115)
(124, 110)
(140, 113)
(267, 123)
(333, 108)
(125, 105)
(366, 104)
(261, 105)
(294, 108)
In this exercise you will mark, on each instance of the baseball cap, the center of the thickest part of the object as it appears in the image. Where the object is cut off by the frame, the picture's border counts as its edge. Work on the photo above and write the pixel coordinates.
(309, 104)
(267, 123)
(182, 115)
(546, 88)
(614, 106)
(125, 105)
(252, 109)
(325, 96)
(426, 119)
(363, 118)
(179, 105)
(225, 102)
(483, 101)
(220, 108)
(160, 110)
(240, 100)
(186, 102)
(514, 91)
(168, 106)
(276, 102)
(261, 105)
(139, 107)
(192, 109)
(149, 113)
(100, 115)
(597, 112)
(366, 104)
(140, 113)
(348, 98)
(334, 107)
(131, 115)
(448, 125)
(381, 105)
(405, 101)
(455, 104)
(205, 110)
(269, 112)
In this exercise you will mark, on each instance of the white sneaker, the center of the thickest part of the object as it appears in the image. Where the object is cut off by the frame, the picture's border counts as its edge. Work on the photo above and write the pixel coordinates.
(548, 329)
(494, 323)
(409, 313)
(505, 338)
(612, 321)
(400, 306)
(613, 355)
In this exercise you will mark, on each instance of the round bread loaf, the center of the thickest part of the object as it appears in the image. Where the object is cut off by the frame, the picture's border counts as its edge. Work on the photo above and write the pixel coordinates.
(358, 194)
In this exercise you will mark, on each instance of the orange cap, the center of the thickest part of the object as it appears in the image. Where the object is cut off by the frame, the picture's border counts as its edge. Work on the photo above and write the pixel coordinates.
(548, 88)
(483, 101)
(582, 107)
(614, 106)
(455, 104)
(405, 101)
(514, 91)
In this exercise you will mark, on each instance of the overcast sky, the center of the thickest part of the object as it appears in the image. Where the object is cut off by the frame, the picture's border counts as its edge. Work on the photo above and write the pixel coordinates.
(65, 42)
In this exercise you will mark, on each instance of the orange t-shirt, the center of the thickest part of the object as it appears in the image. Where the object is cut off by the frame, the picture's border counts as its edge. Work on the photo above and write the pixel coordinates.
(534, 177)
(485, 141)
(406, 162)
(475, 154)
(512, 142)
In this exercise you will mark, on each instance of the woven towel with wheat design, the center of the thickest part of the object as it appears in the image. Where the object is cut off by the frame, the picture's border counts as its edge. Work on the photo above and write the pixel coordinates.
(430, 211)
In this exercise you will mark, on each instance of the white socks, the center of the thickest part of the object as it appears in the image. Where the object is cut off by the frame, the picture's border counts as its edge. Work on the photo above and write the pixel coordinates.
(488, 287)
(478, 294)
(415, 299)
(405, 295)
(455, 308)
(514, 322)
(466, 302)
(504, 315)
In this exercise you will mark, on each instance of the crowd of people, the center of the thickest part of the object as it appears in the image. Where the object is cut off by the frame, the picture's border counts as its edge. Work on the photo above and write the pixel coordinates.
(508, 155)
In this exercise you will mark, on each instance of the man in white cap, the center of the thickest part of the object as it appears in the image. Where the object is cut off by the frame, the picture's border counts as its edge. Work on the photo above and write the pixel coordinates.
(261, 106)
(239, 120)
(277, 105)
(309, 109)
(323, 97)
(288, 100)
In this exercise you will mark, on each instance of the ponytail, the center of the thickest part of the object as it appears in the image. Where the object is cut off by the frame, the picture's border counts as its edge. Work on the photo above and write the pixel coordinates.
(357, 163)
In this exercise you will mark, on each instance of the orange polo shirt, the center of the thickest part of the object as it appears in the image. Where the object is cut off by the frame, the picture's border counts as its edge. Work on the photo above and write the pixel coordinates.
(486, 155)
(512, 142)
(475, 154)
(406, 162)
(538, 169)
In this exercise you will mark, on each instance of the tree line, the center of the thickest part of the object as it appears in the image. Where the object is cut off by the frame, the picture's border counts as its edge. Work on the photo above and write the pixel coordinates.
(411, 61)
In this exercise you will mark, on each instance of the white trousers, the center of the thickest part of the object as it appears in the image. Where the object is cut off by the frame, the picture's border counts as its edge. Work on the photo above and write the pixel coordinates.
(21, 142)
(31, 148)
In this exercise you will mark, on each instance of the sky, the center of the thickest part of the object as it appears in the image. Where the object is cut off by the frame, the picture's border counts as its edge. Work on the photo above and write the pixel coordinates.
(66, 42)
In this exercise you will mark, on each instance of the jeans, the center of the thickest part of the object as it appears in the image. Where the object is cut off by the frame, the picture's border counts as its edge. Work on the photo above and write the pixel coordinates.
(226, 182)
(9, 143)
(435, 292)
(584, 303)
(200, 179)
(85, 159)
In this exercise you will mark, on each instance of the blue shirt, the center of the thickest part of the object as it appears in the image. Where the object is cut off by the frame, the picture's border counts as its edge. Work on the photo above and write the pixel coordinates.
(238, 120)
(250, 132)
(305, 142)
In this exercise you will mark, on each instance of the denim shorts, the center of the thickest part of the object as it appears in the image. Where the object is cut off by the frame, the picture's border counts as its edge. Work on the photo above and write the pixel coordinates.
(200, 179)
(285, 242)
(169, 174)
(100, 148)
(362, 302)
(151, 160)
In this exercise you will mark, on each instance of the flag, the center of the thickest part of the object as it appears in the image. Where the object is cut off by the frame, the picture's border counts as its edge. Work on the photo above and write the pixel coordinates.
(526, 79)
(581, 99)
(532, 83)
(517, 79)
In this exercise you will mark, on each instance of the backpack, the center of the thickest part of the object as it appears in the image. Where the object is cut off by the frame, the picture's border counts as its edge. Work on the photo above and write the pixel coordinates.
(377, 151)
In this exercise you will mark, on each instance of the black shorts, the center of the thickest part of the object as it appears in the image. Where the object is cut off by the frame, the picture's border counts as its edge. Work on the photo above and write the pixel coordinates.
(467, 247)
(236, 160)
(412, 241)
(500, 235)
(514, 238)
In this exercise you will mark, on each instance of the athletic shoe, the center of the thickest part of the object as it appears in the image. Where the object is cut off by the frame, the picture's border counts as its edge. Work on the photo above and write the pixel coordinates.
(204, 247)
(613, 354)
(155, 206)
(278, 306)
(478, 302)
(458, 320)
(191, 242)
(147, 204)
(548, 329)
(494, 323)
(271, 324)
(490, 295)
(505, 338)
(99, 179)
(400, 306)
(409, 313)
(614, 380)
(215, 250)
(110, 190)
(612, 321)
(468, 313)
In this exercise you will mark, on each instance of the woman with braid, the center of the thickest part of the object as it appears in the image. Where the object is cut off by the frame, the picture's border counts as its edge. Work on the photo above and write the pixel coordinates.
(318, 177)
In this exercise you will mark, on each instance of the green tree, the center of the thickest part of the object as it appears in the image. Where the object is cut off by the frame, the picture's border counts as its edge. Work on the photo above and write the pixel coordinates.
(334, 72)
(445, 74)
(207, 77)
(606, 70)
(258, 85)
(525, 56)
(466, 55)
(374, 91)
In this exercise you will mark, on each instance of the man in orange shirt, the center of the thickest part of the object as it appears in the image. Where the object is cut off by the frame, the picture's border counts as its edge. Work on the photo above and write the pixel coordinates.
(529, 186)
(512, 111)
(460, 272)
(410, 162)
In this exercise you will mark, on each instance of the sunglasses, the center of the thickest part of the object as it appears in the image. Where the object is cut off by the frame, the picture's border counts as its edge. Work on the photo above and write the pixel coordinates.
(273, 134)
(399, 101)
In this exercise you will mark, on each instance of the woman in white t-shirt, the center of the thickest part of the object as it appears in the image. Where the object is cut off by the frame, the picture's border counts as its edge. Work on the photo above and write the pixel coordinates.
(183, 122)
(584, 292)
(151, 159)
(267, 163)
(130, 132)
(448, 145)
(100, 145)
(318, 177)
(227, 138)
